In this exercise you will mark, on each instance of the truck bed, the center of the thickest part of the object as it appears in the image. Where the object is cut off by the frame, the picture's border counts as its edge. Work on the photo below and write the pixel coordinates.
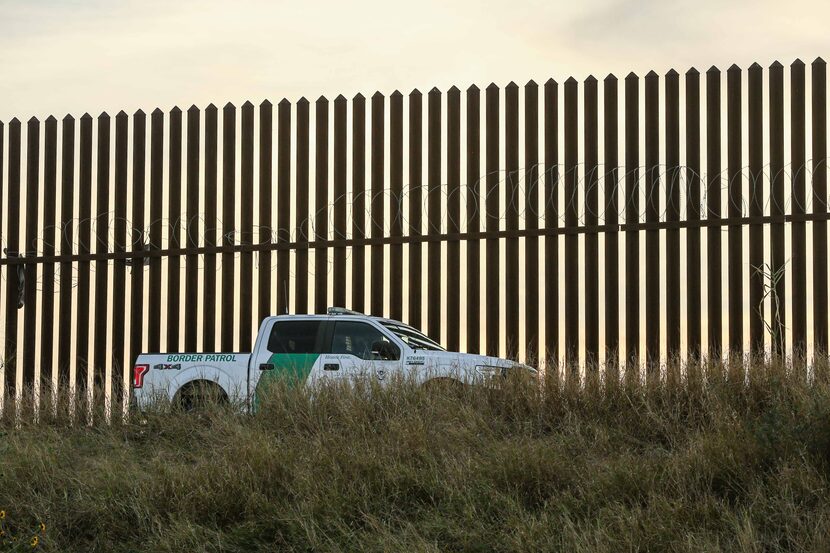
(160, 375)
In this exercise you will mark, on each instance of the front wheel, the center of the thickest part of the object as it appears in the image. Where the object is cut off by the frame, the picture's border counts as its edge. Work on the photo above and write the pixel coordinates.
(444, 386)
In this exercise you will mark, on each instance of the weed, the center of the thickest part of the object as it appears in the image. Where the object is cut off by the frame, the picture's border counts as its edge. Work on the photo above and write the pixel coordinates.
(697, 464)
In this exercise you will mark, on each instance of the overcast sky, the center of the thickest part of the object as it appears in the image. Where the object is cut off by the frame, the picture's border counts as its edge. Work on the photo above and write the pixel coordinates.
(72, 56)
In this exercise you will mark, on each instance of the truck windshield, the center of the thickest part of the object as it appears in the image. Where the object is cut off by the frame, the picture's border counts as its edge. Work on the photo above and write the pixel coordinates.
(413, 338)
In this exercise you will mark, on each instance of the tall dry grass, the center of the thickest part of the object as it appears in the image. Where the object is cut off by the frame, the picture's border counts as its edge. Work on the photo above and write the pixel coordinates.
(699, 463)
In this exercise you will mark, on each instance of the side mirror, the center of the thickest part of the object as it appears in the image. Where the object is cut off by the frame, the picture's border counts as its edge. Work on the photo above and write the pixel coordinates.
(384, 350)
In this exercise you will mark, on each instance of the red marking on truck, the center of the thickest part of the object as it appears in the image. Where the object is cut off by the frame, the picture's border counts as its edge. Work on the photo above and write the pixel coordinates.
(138, 375)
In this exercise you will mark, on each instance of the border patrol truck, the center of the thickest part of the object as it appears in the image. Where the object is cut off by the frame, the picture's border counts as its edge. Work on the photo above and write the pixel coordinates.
(340, 346)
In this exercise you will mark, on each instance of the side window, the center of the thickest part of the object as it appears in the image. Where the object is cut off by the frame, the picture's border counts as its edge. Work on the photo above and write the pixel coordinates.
(294, 337)
(364, 341)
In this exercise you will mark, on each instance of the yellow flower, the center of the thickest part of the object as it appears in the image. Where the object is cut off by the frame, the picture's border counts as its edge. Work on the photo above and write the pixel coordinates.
(33, 541)
(42, 527)
(2, 515)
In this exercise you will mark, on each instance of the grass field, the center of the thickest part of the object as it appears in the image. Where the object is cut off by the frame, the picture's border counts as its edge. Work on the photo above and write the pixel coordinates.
(706, 465)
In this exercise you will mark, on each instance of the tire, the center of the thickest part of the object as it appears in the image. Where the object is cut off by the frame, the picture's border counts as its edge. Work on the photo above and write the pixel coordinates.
(444, 386)
(199, 395)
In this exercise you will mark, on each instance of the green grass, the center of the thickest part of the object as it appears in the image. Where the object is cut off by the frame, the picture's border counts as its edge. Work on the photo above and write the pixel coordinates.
(706, 465)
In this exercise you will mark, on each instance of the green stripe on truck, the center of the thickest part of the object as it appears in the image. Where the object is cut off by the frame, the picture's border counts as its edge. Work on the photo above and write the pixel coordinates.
(292, 367)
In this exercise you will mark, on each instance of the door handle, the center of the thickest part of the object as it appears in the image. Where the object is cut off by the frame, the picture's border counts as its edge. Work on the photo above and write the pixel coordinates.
(266, 366)
(331, 367)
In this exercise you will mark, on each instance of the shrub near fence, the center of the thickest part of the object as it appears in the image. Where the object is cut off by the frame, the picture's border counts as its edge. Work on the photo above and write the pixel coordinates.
(92, 277)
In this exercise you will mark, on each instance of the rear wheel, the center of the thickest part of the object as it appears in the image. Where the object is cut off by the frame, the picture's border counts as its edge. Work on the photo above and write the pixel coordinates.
(199, 395)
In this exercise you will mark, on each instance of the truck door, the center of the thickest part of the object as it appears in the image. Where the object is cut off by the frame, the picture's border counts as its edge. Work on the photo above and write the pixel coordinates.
(291, 352)
(359, 350)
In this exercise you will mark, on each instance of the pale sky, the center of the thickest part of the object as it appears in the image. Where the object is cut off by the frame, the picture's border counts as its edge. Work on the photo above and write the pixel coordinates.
(72, 56)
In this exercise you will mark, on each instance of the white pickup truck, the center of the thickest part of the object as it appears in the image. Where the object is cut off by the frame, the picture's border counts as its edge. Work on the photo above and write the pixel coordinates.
(310, 349)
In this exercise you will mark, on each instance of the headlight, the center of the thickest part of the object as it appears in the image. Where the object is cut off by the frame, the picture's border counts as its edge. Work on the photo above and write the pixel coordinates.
(489, 370)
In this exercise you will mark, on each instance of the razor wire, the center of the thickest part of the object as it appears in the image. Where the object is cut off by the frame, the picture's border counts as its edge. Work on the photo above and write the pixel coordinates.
(511, 186)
